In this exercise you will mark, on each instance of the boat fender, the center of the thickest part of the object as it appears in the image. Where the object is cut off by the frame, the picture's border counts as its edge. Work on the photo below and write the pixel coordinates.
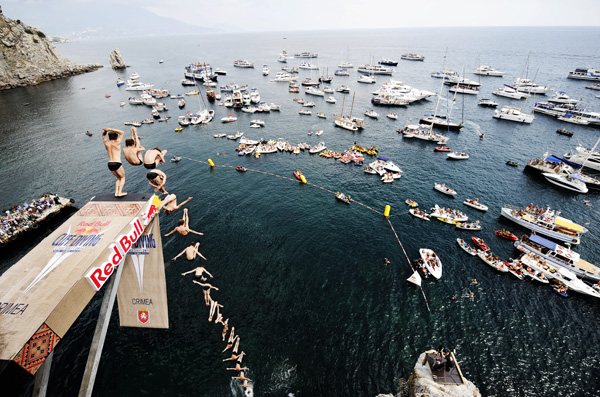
(386, 212)
(211, 163)
(303, 178)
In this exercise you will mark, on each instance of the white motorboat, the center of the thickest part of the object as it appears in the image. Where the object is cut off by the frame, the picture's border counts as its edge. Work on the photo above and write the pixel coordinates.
(475, 204)
(314, 91)
(345, 89)
(371, 113)
(458, 156)
(317, 148)
(265, 70)
(466, 247)
(328, 90)
(305, 111)
(493, 261)
(445, 74)
(528, 86)
(258, 122)
(392, 116)
(448, 215)
(366, 79)
(220, 71)
(485, 70)
(412, 57)
(345, 65)
(330, 100)
(375, 69)
(137, 86)
(585, 74)
(566, 182)
(135, 101)
(510, 92)
(321, 115)
(284, 77)
(419, 214)
(305, 54)
(242, 63)
(342, 72)
(345, 124)
(230, 118)
(415, 131)
(442, 188)
(309, 104)
(488, 103)
(546, 222)
(562, 97)
(308, 66)
(464, 89)
(432, 262)
(469, 226)
(573, 120)
(513, 114)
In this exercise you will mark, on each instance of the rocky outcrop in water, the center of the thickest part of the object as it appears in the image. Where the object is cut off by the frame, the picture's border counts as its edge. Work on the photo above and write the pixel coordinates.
(116, 60)
(28, 57)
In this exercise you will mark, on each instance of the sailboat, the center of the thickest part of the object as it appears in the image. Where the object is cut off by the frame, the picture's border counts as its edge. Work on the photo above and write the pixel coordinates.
(345, 64)
(344, 122)
(440, 121)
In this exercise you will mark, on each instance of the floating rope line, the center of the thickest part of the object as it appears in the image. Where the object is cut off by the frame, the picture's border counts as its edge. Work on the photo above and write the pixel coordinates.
(332, 192)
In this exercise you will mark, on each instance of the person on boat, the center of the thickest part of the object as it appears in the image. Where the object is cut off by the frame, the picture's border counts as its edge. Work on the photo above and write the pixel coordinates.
(169, 204)
(157, 179)
(206, 287)
(133, 149)
(199, 273)
(184, 226)
(154, 157)
(112, 142)
(190, 252)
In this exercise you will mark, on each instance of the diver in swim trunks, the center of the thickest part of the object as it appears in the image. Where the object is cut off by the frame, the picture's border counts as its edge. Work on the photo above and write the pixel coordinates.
(133, 149)
(157, 179)
(112, 142)
(154, 157)
(184, 226)
(198, 273)
(169, 204)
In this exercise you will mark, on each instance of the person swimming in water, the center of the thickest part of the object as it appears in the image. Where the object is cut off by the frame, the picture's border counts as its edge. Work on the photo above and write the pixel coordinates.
(184, 226)
(154, 157)
(190, 252)
(112, 142)
(169, 203)
(157, 179)
(133, 149)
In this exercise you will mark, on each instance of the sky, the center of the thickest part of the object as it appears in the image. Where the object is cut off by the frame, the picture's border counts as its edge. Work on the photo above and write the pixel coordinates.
(281, 15)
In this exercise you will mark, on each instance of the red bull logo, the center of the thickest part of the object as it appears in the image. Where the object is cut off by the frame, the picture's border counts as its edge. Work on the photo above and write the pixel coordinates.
(87, 230)
(151, 209)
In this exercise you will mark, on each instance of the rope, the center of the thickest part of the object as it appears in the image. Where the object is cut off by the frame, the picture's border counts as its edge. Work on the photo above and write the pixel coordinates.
(334, 193)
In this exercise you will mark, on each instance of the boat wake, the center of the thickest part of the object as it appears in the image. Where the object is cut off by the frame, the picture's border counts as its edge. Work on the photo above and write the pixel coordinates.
(474, 126)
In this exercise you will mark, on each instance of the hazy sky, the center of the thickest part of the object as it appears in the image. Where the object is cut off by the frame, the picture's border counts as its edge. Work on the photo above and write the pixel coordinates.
(281, 15)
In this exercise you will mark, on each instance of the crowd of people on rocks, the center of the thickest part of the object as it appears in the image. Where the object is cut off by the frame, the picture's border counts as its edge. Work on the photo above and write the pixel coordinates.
(22, 217)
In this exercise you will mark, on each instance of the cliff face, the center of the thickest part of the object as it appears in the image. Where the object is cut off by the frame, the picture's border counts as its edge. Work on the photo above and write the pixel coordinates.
(28, 57)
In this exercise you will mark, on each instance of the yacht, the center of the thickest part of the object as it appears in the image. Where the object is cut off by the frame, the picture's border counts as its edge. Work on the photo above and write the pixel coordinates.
(389, 100)
(220, 72)
(526, 85)
(513, 114)
(308, 81)
(342, 72)
(426, 134)
(345, 124)
(412, 57)
(363, 78)
(243, 64)
(388, 62)
(568, 181)
(585, 74)
(305, 55)
(284, 77)
(330, 100)
(265, 70)
(562, 97)
(585, 157)
(344, 89)
(485, 70)
(464, 89)
(137, 86)
(283, 57)
(308, 66)
(372, 114)
(375, 69)
(345, 65)
(440, 122)
(314, 91)
(445, 74)
(487, 102)
(229, 119)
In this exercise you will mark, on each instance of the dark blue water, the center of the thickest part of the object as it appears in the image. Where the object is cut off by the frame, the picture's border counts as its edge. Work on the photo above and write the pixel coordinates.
(301, 276)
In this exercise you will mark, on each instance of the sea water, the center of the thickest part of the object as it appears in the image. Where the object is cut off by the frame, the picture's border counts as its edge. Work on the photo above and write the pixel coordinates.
(302, 276)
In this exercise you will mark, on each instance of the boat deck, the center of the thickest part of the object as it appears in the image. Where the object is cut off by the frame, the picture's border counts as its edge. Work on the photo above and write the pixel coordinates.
(441, 376)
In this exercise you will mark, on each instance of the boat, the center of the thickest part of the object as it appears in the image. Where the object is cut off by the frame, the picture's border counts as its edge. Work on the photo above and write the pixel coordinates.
(375, 69)
(305, 54)
(480, 243)
(568, 181)
(88, 133)
(308, 66)
(558, 256)
(181, 103)
(342, 72)
(330, 100)
(560, 288)
(265, 70)
(371, 113)
(458, 156)
(175, 159)
(137, 86)
(440, 122)
(419, 214)
(469, 226)
(120, 82)
(322, 115)
(342, 197)
(387, 178)
(546, 222)
(178, 129)
(573, 119)
(466, 247)
(506, 234)
(388, 62)
(415, 131)
(392, 115)
(510, 92)
(243, 64)
(305, 111)
(412, 57)
(512, 163)
(432, 262)
(562, 97)
(300, 176)
(442, 149)
(513, 114)
(311, 90)
(492, 260)
(442, 188)
(563, 131)
(475, 204)
(485, 70)
(464, 89)
(317, 148)
(448, 215)
(488, 103)
(593, 86)
(363, 78)
(258, 122)
(343, 89)
(585, 74)
(240, 168)
(411, 203)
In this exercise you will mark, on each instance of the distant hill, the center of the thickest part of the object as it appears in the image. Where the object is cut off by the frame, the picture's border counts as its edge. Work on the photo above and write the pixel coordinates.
(98, 20)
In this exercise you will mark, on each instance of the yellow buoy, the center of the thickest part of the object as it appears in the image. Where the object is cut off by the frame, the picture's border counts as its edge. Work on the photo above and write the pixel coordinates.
(386, 213)
(303, 178)
(211, 163)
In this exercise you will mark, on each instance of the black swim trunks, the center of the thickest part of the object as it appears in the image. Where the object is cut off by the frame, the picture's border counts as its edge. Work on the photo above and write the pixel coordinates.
(151, 175)
(114, 165)
(150, 166)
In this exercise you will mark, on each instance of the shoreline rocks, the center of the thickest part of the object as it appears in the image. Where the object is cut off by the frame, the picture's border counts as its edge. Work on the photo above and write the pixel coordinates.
(29, 57)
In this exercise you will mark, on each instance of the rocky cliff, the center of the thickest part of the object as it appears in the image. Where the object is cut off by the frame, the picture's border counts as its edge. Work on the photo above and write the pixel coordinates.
(28, 57)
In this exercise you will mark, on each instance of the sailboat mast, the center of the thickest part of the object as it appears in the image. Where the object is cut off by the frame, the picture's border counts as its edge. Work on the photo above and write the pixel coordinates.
(352, 108)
